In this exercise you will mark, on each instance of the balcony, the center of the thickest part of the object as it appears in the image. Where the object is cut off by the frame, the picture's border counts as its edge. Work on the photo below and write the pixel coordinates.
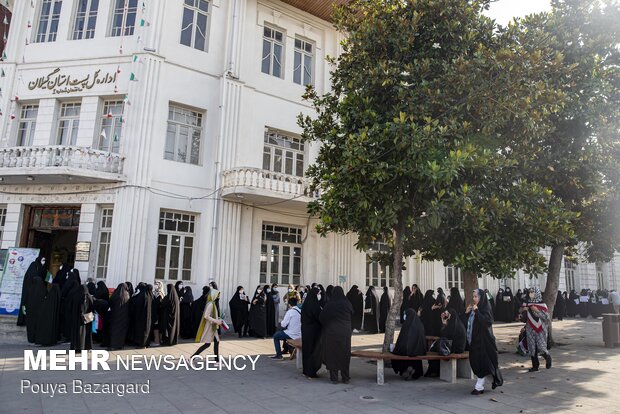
(258, 186)
(56, 164)
(319, 8)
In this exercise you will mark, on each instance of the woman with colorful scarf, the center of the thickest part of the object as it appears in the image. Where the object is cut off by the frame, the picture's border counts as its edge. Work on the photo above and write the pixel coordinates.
(207, 331)
(537, 318)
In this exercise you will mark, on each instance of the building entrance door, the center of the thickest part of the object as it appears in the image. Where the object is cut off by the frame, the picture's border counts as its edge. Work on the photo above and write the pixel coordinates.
(54, 231)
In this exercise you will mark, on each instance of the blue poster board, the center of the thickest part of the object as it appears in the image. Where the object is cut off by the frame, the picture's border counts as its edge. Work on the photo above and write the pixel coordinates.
(17, 262)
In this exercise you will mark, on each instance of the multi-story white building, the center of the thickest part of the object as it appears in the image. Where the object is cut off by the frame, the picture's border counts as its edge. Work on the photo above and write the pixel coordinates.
(158, 139)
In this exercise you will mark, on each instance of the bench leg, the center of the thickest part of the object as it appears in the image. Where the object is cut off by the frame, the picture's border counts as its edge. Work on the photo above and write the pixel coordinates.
(463, 369)
(448, 370)
(380, 376)
(298, 359)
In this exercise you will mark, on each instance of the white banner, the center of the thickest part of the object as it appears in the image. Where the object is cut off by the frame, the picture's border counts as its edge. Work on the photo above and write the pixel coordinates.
(18, 261)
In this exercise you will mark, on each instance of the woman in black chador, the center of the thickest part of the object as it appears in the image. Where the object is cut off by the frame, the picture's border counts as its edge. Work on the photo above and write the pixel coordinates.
(336, 323)
(48, 325)
(453, 329)
(80, 304)
(257, 315)
(508, 302)
(141, 310)
(102, 296)
(426, 314)
(356, 297)
(119, 317)
(34, 304)
(416, 299)
(405, 303)
(62, 275)
(187, 322)
(371, 318)
(170, 317)
(411, 342)
(481, 341)
(456, 302)
(311, 333)
(559, 310)
(270, 312)
(70, 288)
(437, 310)
(36, 268)
(238, 305)
(384, 308)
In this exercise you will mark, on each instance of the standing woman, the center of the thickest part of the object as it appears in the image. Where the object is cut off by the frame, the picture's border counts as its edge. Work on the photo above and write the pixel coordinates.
(48, 324)
(187, 323)
(537, 328)
(257, 315)
(142, 312)
(238, 305)
(336, 322)
(275, 296)
(426, 314)
(208, 329)
(36, 268)
(170, 317)
(405, 303)
(119, 317)
(371, 313)
(416, 299)
(356, 298)
(34, 305)
(456, 302)
(559, 310)
(158, 296)
(481, 341)
(311, 333)
(270, 312)
(81, 305)
(384, 307)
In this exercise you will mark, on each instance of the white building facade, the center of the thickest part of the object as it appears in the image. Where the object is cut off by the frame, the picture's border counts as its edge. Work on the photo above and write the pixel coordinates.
(144, 140)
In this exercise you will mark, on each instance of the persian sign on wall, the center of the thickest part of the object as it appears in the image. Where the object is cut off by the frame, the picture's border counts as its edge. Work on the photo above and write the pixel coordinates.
(60, 83)
(82, 252)
(18, 261)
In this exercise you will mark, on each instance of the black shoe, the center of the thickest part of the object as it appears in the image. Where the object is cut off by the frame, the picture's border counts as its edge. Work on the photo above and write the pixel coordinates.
(345, 381)
(533, 369)
(535, 364)
(476, 392)
(278, 357)
(548, 360)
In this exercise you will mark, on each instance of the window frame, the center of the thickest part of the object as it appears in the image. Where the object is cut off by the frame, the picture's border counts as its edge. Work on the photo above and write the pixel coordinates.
(454, 278)
(375, 271)
(46, 37)
(122, 30)
(103, 117)
(266, 273)
(201, 116)
(104, 229)
(569, 275)
(192, 233)
(273, 41)
(303, 54)
(196, 11)
(283, 136)
(85, 33)
(3, 214)
(32, 124)
(74, 124)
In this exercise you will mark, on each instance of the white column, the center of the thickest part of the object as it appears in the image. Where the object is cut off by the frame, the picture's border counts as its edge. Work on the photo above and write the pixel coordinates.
(88, 121)
(45, 131)
(87, 233)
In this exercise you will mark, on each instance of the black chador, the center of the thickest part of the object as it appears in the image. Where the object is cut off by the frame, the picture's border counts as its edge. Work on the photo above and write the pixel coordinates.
(411, 342)
(336, 324)
(119, 317)
(71, 286)
(187, 323)
(454, 330)
(101, 305)
(384, 308)
(140, 306)
(371, 311)
(36, 268)
(62, 275)
(34, 302)
(456, 302)
(426, 314)
(270, 312)
(415, 302)
(356, 298)
(482, 348)
(80, 304)
(405, 303)
(238, 305)
(257, 315)
(48, 325)
(311, 334)
(170, 317)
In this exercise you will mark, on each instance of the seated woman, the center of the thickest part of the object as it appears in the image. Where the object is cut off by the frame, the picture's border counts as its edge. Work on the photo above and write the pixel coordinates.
(411, 342)
(454, 330)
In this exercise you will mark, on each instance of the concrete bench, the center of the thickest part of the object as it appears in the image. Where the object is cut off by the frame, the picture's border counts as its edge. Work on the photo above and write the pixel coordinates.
(296, 343)
(451, 366)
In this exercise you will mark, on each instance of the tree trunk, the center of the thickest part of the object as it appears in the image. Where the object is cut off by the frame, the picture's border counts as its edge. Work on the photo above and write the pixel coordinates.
(393, 314)
(553, 284)
(470, 280)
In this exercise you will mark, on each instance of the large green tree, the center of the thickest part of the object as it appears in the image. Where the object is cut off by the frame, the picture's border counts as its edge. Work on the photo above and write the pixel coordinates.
(412, 136)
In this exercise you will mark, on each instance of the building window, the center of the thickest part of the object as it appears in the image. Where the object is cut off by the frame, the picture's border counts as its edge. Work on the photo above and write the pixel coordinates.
(2, 221)
(283, 153)
(124, 17)
(273, 51)
(454, 278)
(280, 254)
(183, 135)
(49, 16)
(195, 24)
(105, 233)
(175, 243)
(27, 125)
(111, 127)
(600, 279)
(377, 274)
(85, 19)
(68, 123)
(569, 273)
(303, 67)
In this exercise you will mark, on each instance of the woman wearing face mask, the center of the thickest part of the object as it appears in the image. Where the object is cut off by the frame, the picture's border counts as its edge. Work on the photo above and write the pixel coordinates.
(275, 296)
(311, 333)
(536, 314)
(270, 312)
(36, 269)
(292, 293)
(208, 329)
(481, 341)
(257, 316)
(239, 311)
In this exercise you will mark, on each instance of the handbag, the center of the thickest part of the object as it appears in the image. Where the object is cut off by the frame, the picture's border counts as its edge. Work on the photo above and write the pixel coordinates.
(87, 318)
(443, 346)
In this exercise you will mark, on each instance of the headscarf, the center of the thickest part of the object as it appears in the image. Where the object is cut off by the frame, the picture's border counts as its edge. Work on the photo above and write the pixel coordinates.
(484, 309)
(411, 339)
(102, 292)
(158, 290)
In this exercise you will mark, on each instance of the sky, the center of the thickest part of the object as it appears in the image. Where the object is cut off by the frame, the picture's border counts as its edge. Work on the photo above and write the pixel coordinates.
(504, 10)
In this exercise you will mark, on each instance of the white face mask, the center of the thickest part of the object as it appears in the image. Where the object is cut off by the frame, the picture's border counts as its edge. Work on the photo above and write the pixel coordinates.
(318, 297)
(405, 317)
(267, 290)
(42, 261)
(259, 291)
(241, 292)
(290, 289)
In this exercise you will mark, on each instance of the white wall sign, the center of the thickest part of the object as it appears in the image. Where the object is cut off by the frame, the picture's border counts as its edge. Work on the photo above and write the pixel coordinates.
(18, 261)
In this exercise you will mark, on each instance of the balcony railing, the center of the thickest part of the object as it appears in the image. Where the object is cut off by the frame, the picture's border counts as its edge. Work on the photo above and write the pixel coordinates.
(256, 178)
(58, 156)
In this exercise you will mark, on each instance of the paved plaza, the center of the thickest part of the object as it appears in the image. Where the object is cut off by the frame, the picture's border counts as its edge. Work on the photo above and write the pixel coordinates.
(585, 378)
